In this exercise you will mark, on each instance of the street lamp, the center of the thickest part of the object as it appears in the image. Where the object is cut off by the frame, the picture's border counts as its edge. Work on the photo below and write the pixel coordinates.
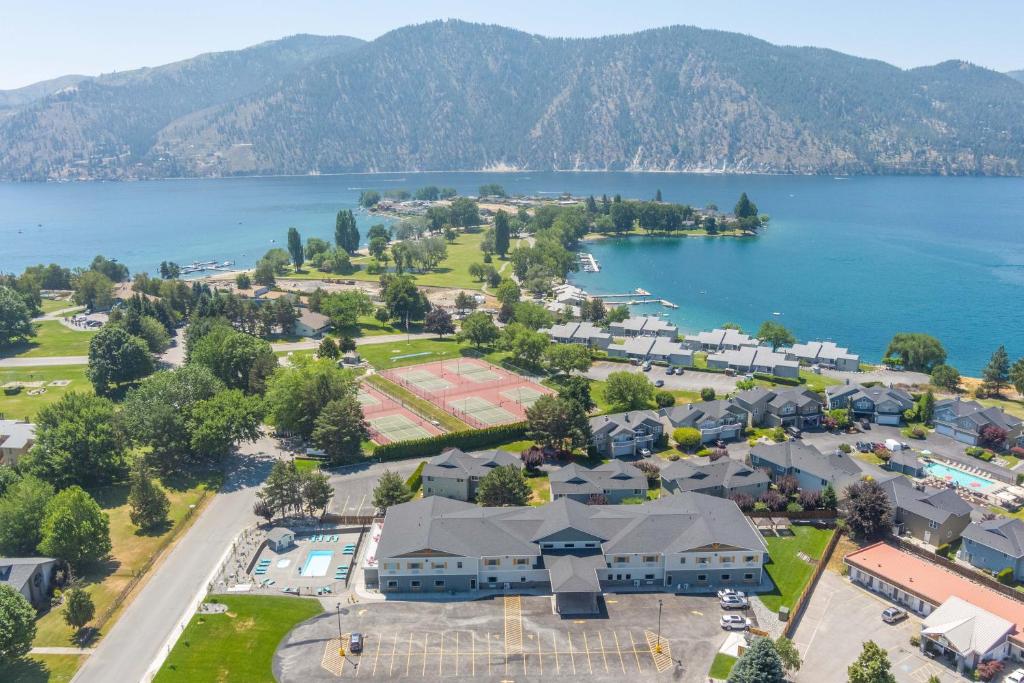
(657, 648)
(341, 642)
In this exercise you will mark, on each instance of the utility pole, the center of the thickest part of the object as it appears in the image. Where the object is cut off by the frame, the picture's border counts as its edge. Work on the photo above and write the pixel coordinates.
(657, 648)
(341, 642)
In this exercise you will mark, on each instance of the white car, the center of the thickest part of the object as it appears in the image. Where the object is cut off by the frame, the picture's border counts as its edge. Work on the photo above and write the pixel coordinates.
(734, 622)
(729, 591)
(1016, 677)
(734, 602)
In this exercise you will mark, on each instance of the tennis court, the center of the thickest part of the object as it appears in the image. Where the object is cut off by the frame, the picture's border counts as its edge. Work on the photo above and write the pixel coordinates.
(397, 427)
(472, 370)
(389, 420)
(481, 410)
(523, 395)
(366, 400)
(425, 380)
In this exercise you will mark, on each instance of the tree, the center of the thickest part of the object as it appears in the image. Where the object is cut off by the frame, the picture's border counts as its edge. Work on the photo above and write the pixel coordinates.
(707, 394)
(75, 529)
(316, 491)
(297, 394)
(559, 422)
(243, 280)
(94, 290)
(1017, 376)
(465, 213)
(788, 654)
(869, 513)
(22, 509)
(687, 438)
(760, 663)
(664, 399)
(239, 360)
(152, 331)
(282, 489)
(992, 436)
(872, 666)
(17, 625)
(617, 314)
(508, 292)
(439, 322)
(479, 329)
(402, 299)
(15, 318)
(926, 407)
(465, 301)
(657, 195)
(261, 508)
(114, 271)
(628, 390)
(295, 248)
(340, 429)
(501, 233)
(315, 245)
(147, 503)
(997, 373)
(564, 358)
(327, 349)
(390, 491)
(745, 208)
(116, 357)
(503, 486)
(377, 246)
(78, 607)
(216, 424)
(346, 234)
(775, 334)
(264, 273)
(829, 500)
(78, 441)
(577, 389)
(345, 308)
(368, 199)
(492, 190)
(947, 377)
(532, 315)
(916, 351)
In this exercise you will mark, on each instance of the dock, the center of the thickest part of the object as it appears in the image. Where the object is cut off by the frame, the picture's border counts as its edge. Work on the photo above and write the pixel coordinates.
(203, 266)
(635, 298)
(589, 263)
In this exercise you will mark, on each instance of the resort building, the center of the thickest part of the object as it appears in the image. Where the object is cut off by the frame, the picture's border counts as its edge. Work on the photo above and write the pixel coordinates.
(750, 359)
(623, 434)
(614, 481)
(687, 542)
(715, 420)
(884, 405)
(796, 407)
(30, 576)
(652, 348)
(823, 354)
(935, 516)
(964, 421)
(311, 324)
(585, 333)
(812, 469)
(722, 478)
(719, 340)
(995, 545)
(16, 438)
(965, 621)
(646, 326)
(456, 474)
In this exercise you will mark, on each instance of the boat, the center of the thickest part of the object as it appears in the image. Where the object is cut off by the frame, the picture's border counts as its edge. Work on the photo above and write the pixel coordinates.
(776, 313)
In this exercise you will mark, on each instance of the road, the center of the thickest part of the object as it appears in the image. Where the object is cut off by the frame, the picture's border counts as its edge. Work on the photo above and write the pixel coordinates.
(44, 361)
(360, 341)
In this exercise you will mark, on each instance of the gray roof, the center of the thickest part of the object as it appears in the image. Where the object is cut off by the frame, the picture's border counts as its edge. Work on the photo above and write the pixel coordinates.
(906, 458)
(312, 319)
(838, 468)
(700, 474)
(979, 414)
(876, 394)
(455, 463)
(574, 574)
(967, 627)
(694, 413)
(936, 505)
(16, 571)
(440, 526)
(802, 397)
(754, 396)
(574, 479)
(16, 435)
(1003, 534)
(611, 424)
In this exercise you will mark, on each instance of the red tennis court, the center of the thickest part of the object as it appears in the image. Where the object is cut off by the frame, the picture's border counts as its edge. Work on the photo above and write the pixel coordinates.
(473, 390)
(389, 420)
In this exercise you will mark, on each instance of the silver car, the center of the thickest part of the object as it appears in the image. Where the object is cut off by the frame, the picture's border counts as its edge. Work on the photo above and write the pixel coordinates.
(734, 622)
(734, 602)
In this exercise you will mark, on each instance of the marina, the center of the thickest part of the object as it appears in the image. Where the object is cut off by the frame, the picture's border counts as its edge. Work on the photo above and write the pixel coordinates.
(204, 266)
(589, 264)
(637, 297)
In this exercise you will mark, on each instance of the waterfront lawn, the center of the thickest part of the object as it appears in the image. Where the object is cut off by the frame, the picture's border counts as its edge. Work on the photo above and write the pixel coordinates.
(422, 406)
(52, 339)
(132, 549)
(1015, 408)
(722, 666)
(41, 669)
(788, 572)
(21, 406)
(239, 644)
(816, 382)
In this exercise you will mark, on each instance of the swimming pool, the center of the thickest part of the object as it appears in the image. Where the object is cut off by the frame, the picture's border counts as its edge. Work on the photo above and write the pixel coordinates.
(961, 478)
(317, 563)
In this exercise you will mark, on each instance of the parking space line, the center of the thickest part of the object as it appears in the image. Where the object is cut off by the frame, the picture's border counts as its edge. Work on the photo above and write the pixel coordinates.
(586, 646)
(635, 653)
(426, 648)
(376, 654)
(558, 665)
(540, 657)
(472, 642)
(488, 654)
(456, 654)
(571, 655)
(394, 650)
(604, 654)
(408, 659)
(618, 649)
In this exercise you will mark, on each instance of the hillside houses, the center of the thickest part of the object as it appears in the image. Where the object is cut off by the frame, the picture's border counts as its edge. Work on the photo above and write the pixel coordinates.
(965, 420)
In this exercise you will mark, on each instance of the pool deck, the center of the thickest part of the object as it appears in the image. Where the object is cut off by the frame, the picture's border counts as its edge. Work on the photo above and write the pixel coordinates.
(275, 579)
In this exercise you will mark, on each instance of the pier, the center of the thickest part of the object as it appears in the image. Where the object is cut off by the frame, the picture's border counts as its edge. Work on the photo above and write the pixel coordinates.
(203, 266)
(589, 263)
(635, 298)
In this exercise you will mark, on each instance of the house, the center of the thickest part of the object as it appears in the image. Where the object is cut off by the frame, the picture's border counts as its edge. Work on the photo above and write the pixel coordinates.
(748, 359)
(311, 324)
(719, 340)
(626, 433)
(686, 542)
(812, 469)
(797, 407)
(585, 333)
(16, 438)
(884, 405)
(723, 478)
(935, 516)
(716, 420)
(994, 545)
(615, 480)
(964, 619)
(644, 348)
(824, 354)
(456, 474)
(566, 294)
(964, 420)
(647, 326)
(905, 461)
(30, 576)
(279, 539)
(634, 348)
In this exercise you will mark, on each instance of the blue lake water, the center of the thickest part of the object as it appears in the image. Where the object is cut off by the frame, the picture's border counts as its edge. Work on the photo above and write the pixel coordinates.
(852, 260)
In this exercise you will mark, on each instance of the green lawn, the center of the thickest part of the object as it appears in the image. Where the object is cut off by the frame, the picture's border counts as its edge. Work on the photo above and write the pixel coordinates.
(816, 382)
(22, 406)
(1012, 407)
(41, 669)
(789, 573)
(541, 488)
(306, 464)
(421, 406)
(368, 326)
(721, 667)
(384, 356)
(52, 339)
(239, 644)
(51, 305)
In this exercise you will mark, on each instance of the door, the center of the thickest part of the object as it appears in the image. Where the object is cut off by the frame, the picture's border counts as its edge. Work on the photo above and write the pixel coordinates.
(927, 536)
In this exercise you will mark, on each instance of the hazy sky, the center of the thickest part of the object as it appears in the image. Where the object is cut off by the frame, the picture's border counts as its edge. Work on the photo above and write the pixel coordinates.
(45, 38)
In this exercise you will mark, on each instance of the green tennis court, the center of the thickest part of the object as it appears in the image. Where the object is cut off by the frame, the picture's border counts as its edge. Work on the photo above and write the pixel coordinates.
(366, 399)
(425, 380)
(524, 396)
(472, 371)
(483, 410)
(398, 428)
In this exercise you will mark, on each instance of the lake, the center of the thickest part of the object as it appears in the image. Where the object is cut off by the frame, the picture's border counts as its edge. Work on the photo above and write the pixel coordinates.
(853, 260)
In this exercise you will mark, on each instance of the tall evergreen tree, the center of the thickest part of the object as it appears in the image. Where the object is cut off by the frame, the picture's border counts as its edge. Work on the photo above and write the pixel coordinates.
(744, 207)
(760, 663)
(501, 233)
(872, 666)
(295, 248)
(657, 195)
(591, 205)
(997, 373)
(390, 490)
(147, 503)
(346, 233)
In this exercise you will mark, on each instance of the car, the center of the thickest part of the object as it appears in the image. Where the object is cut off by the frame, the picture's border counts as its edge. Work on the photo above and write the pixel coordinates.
(670, 371)
(1016, 677)
(729, 591)
(891, 615)
(645, 452)
(355, 643)
(793, 431)
(865, 424)
(646, 367)
(659, 383)
(734, 622)
(734, 602)
(864, 447)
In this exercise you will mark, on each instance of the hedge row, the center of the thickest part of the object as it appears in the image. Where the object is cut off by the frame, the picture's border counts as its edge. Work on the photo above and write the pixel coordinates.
(775, 379)
(467, 440)
(415, 479)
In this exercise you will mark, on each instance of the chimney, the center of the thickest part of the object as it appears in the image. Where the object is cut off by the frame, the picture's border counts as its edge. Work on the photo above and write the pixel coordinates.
(627, 417)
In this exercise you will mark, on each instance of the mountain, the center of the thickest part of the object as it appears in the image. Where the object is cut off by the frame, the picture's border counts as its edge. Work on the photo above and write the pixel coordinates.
(1016, 75)
(457, 96)
(19, 97)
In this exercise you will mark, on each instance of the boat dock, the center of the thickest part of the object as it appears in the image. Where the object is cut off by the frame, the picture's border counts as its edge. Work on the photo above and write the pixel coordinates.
(635, 298)
(203, 266)
(589, 264)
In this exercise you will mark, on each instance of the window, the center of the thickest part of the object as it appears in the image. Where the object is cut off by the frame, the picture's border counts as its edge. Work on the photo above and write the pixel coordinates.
(413, 565)
(726, 577)
(547, 545)
(702, 561)
(749, 558)
(522, 579)
(490, 563)
(458, 565)
(492, 579)
(439, 565)
(521, 562)
(589, 545)
(628, 577)
(702, 577)
(439, 583)
(748, 577)
(414, 584)
(933, 525)
(430, 479)
(569, 545)
(392, 584)
(620, 559)
(650, 558)
(682, 560)
(726, 558)
(648, 576)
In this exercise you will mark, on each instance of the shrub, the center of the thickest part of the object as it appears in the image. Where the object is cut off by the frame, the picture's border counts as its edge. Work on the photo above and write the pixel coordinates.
(652, 471)
(415, 480)
(597, 499)
(787, 485)
(915, 640)
(883, 453)
(778, 435)
(707, 394)
(532, 457)
(918, 433)
(473, 439)
(974, 451)
(774, 379)
(760, 506)
(809, 499)
(664, 399)
(1005, 576)
(673, 456)
(704, 453)
(846, 448)
(686, 438)
(744, 501)
(989, 669)
(794, 507)
(633, 501)
(942, 550)
(718, 454)
(774, 500)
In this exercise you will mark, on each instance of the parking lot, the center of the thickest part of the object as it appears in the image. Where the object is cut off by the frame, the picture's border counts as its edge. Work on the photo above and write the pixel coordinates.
(690, 380)
(504, 639)
(353, 486)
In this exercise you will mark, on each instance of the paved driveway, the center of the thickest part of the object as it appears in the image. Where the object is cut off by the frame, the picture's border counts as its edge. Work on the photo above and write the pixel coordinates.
(887, 377)
(840, 618)
(690, 380)
(353, 486)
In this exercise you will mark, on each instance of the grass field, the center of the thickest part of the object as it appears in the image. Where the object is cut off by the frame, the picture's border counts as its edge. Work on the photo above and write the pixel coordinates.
(131, 549)
(383, 356)
(541, 488)
(51, 305)
(368, 326)
(789, 573)
(423, 407)
(52, 339)
(41, 669)
(721, 667)
(239, 644)
(22, 406)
